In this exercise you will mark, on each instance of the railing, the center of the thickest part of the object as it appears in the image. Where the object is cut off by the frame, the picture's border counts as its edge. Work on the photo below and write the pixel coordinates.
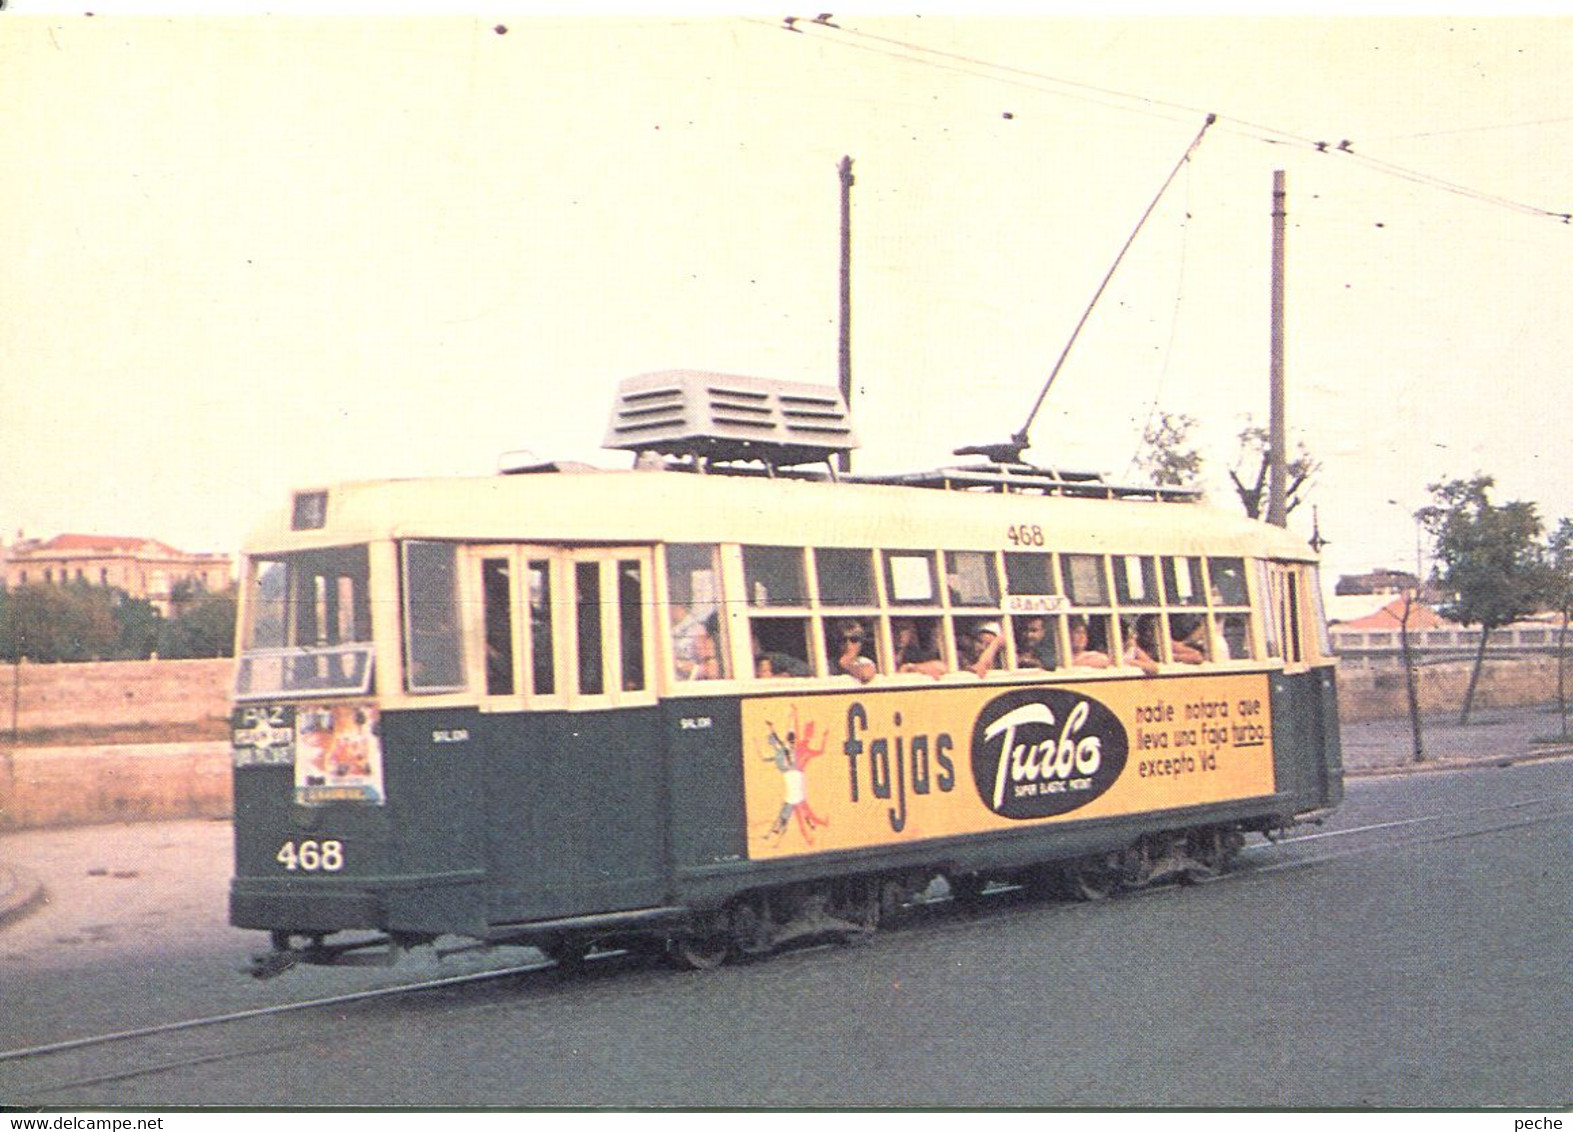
(1437, 643)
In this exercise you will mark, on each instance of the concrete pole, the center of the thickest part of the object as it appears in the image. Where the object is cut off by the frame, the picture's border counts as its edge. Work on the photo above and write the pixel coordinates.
(1278, 476)
(846, 295)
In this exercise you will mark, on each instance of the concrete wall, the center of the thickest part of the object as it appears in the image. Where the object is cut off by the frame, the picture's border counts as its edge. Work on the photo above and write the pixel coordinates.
(82, 784)
(38, 699)
(1378, 692)
(52, 786)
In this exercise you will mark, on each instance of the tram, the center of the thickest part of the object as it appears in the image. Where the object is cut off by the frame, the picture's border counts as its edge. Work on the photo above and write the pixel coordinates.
(726, 698)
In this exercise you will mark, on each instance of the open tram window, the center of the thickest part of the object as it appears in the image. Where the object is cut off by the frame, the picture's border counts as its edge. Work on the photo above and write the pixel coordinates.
(497, 613)
(542, 665)
(780, 646)
(980, 644)
(1034, 600)
(774, 579)
(915, 645)
(1231, 609)
(1090, 640)
(693, 586)
(851, 647)
(434, 656)
(845, 579)
(1143, 636)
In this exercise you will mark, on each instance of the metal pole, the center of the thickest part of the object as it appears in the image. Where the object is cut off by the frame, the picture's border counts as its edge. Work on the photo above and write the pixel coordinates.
(846, 295)
(1277, 484)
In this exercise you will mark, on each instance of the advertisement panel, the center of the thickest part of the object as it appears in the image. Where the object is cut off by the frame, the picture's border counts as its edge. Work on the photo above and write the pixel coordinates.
(334, 749)
(872, 768)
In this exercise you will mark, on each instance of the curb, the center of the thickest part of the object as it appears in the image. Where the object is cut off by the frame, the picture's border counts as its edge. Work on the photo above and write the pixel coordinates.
(1436, 764)
(20, 893)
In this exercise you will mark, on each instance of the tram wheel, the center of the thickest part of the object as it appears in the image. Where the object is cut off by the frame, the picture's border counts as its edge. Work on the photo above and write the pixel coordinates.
(1089, 880)
(860, 903)
(753, 926)
(699, 953)
(1212, 851)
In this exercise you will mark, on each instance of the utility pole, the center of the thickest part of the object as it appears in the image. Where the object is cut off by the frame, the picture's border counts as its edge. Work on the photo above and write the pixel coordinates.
(1277, 441)
(846, 295)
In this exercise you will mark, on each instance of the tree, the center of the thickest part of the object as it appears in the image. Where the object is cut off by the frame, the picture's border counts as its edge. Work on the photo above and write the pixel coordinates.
(1489, 558)
(1256, 452)
(1165, 457)
(139, 622)
(58, 623)
(1559, 561)
(204, 628)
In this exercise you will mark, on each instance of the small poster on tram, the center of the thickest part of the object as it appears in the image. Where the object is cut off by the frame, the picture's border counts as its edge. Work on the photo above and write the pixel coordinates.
(338, 755)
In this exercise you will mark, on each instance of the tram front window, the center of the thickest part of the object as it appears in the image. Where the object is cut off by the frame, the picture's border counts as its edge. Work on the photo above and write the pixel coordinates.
(308, 627)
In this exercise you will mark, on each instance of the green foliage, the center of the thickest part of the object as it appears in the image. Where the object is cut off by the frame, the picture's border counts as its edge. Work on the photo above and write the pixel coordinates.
(1489, 557)
(1165, 457)
(76, 622)
(204, 627)
(1559, 560)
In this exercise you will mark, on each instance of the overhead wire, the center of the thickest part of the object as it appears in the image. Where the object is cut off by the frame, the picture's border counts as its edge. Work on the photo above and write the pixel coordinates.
(976, 67)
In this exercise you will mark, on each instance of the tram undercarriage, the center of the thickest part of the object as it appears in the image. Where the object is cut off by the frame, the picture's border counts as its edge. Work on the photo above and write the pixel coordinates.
(761, 921)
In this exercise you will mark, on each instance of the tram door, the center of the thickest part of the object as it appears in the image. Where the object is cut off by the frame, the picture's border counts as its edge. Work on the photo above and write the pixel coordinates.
(1304, 702)
(575, 823)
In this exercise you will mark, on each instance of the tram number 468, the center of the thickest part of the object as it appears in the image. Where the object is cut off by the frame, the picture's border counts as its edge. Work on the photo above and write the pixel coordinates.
(1025, 535)
(312, 856)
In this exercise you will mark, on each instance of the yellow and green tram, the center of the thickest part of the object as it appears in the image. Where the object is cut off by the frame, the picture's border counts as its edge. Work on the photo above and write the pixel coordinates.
(569, 707)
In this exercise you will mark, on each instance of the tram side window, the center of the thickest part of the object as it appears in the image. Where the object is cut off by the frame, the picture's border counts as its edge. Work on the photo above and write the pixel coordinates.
(497, 611)
(542, 671)
(1190, 632)
(775, 582)
(846, 591)
(693, 585)
(1091, 629)
(1231, 609)
(970, 576)
(1142, 636)
(630, 604)
(1034, 593)
(909, 578)
(434, 655)
(587, 592)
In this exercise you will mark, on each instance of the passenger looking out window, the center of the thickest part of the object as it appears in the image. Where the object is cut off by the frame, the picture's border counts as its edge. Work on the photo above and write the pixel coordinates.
(694, 654)
(1083, 655)
(1188, 638)
(1035, 646)
(847, 640)
(771, 640)
(1137, 641)
(693, 573)
(915, 650)
(979, 646)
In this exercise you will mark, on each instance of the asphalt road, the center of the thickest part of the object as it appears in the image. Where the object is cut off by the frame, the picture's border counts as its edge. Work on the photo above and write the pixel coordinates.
(1411, 953)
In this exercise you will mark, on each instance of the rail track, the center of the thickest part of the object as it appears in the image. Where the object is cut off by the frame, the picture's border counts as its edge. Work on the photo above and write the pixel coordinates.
(61, 1067)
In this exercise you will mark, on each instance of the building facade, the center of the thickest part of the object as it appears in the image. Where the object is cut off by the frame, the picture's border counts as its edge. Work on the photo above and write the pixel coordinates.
(144, 568)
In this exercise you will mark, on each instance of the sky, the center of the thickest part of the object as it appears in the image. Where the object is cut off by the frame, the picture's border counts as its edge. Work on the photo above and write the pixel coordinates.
(253, 253)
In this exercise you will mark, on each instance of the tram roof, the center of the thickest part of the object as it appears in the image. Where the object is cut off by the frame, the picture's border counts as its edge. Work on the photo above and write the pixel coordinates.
(646, 506)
